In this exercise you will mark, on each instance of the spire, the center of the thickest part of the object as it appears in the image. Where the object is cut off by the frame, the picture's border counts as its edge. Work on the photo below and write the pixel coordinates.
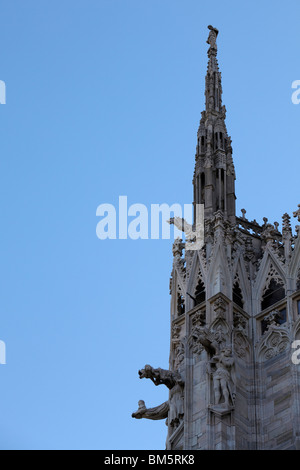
(213, 86)
(214, 170)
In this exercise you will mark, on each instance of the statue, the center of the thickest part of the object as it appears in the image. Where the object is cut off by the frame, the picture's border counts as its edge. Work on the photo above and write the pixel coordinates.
(220, 367)
(212, 38)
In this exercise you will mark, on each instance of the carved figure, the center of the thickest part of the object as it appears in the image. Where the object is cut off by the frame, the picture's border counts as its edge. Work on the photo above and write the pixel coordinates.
(220, 368)
(212, 37)
(160, 376)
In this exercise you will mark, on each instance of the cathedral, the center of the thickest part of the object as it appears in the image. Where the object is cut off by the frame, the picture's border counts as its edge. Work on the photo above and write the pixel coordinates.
(235, 312)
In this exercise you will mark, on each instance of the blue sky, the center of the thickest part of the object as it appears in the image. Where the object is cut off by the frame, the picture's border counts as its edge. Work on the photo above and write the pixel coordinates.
(104, 99)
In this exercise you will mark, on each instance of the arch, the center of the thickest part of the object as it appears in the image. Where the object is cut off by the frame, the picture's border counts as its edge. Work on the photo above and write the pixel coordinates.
(197, 272)
(273, 292)
(242, 278)
(200, 292)
(237, 295)
(269, 269)
(219, 274)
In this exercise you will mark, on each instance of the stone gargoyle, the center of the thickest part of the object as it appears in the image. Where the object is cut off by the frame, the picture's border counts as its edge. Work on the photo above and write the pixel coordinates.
(171, 409)
(158, 412)
(160, 376)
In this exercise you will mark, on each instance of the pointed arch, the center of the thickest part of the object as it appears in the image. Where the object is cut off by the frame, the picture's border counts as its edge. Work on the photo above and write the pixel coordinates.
(237, 295)
(200, 292)
(196, 286)
(241, 290)
(270, 285)
(274, 289)
(219, 274)
(180, 281)
(294, 266)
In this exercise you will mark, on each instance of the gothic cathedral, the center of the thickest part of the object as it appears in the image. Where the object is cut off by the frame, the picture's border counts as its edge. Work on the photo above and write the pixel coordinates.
(235, 312)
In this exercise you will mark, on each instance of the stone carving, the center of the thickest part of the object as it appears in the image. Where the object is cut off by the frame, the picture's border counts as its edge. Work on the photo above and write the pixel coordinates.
(220, 307)
(175, 383)
(193, 239)
(179, 261)
(198, 322)
(212, 37)
(160, 376)
(220, 336)
(286, 224)
(176, 329)
(243, 211)
(156, 413)
(220, 368)
(177, 248)
(297, 213)
(272, 274)
(176, 404)
(239, 322)
(179, 354)
(273, 343)
(271, 320)
(184, 226)
(202, 336)
(241, 344)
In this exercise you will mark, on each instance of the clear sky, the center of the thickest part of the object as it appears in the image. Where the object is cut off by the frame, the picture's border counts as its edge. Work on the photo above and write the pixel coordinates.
(104, 99)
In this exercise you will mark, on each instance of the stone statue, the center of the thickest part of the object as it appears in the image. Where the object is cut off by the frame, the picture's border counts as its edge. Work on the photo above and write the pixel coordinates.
(212, 38)
(220, 367)
(176, 403)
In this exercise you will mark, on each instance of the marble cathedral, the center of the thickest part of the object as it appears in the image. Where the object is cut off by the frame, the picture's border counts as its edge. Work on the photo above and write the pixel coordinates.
(235, 312)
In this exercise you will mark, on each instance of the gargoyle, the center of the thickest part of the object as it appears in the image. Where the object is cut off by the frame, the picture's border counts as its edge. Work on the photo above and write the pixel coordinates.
(183, 226)
(202, 335)
(156, 413)
(160, 376)
(173, 408)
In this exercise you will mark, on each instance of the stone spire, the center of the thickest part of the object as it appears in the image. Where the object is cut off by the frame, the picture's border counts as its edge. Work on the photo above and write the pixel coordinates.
(213, 86)
(214, 174)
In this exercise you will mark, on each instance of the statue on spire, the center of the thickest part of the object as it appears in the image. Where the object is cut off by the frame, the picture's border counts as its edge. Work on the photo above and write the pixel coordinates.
(212, 38)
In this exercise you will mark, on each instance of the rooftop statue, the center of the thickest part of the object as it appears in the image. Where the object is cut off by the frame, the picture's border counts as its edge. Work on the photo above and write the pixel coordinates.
(212, 38)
